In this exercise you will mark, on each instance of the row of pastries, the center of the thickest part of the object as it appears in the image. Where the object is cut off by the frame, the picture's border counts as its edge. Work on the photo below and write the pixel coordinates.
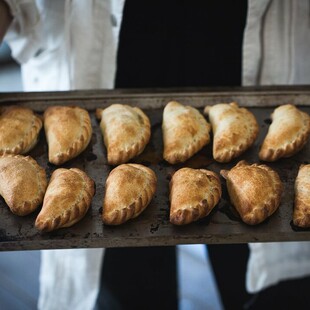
(129, 188)
(126, 131)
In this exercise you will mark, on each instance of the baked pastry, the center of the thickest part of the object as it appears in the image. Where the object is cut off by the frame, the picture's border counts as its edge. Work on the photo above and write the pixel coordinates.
(234, 130)
(19, 130)
(301, 215)
(287, 134)
(129, 190)
(68, 132)
(67, 199)
(254, 190)
(22, 183)
(126, 131)
(193, 195)
(185, 132)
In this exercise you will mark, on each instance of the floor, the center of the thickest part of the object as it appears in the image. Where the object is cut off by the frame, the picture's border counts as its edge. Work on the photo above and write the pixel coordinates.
(19, 285)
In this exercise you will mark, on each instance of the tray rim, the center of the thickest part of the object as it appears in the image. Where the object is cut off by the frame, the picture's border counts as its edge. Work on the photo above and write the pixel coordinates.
(157, 98)
(298, 94)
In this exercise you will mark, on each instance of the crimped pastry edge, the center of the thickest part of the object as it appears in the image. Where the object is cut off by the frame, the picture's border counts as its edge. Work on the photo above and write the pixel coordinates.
(301, 212)
(123, 156)
(29, 140)
(75, 213)
(79, 145)
(250, 218)
(27, 207)
(289, 149)
(228, 155)
(203, 208)
(173, 157)
(118, 217)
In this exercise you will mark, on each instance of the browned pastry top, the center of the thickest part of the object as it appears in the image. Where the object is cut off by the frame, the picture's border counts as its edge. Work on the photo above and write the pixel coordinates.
(301, 215)
(67, 199)
(22, 183)
(129, 189)
(19, 130)
(126, 131)
(68, 132)
(193, 194)
(287, 134)
(185, 132)
(255, 191)
(234, 130)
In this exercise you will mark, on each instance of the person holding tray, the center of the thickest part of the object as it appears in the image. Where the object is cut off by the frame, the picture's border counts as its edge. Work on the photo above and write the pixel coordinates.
(65, 45)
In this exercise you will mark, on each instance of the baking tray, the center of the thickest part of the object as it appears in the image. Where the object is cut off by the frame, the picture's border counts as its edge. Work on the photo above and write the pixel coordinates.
(152, 227)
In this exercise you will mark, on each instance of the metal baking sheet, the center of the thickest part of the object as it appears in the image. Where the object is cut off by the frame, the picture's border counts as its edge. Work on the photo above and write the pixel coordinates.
(152, 227)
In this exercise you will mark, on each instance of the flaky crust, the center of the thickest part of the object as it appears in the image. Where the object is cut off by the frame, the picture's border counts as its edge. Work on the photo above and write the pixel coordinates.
(19, 130)
(185, 132)
(67, 199)
(255, 191)
(193, 195)
(287, 134)
(22, 183)
(301, 215)
(68, 132)
(234, 130)
(126, 131)
(129, 190)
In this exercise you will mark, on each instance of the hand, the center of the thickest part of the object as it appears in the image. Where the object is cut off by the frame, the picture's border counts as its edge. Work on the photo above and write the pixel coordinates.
(5, 19)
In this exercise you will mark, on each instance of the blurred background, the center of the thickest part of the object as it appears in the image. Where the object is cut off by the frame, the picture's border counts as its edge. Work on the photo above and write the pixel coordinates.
(19, 270)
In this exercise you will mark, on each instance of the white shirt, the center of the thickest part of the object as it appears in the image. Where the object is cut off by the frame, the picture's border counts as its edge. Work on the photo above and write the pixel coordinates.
(72, 44)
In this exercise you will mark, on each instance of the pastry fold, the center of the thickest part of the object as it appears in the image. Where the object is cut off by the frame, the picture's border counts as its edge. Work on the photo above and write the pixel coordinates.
(254, 190)
(68, 132)
(129, 190)
(234, 130)
(19, 130)
(22, 183)
(67, 199)
(287, 134)
(126, 131)
(193, 195)
(301, 214)
(185, 132)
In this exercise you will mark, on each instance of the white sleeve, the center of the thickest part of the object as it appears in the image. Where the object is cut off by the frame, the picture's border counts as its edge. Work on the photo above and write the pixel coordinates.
(24, 34)
(70, 279)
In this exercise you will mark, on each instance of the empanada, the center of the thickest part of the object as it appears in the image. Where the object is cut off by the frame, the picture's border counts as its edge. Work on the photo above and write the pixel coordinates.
(254, 190)
(68, 132)
(129, 190)
(193, 195)
(301, 215)
(22, 183)
(185, 132)
(287, 134)
(19, 130)
(126, 131)
(67, 199)
(234, 130)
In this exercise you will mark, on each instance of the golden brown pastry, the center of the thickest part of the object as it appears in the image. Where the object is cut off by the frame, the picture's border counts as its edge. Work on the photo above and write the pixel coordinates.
(19, 130)
(126, 131)
(193, 195)
(234, 130)
(129, 190)
(22, 183)
(67, 199)
(301, 215)
(68, 132)
(255, 191)
(287, 134)
(185, 132)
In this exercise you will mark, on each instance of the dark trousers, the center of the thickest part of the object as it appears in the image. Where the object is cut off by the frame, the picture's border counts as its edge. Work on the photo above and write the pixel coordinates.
(139, 278)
